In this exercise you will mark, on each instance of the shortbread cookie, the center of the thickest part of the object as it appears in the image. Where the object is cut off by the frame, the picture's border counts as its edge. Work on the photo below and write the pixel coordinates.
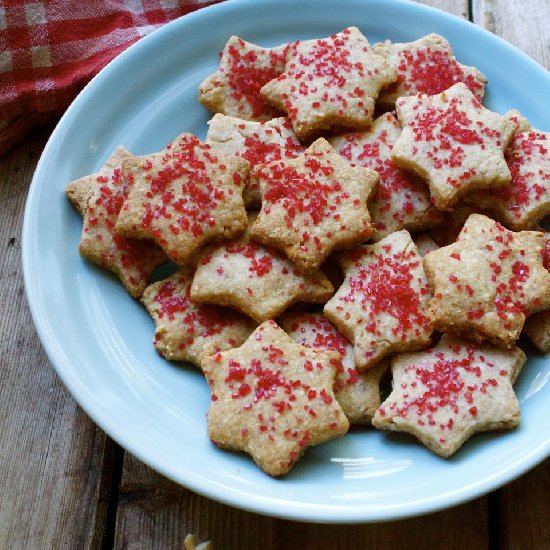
(537, 326)
(446, 394)
(330, 82)
(273, 398)
(99, 197)
(186, 331)
(357, 393)
(79, 191)
(453, 143)
(234, 89)
(259, 281)
(424, 244)
(447, 232)
(425, 66)
(314, 204)
(184, 197)
(257, 142)
(526, 201)
(488, 281)
(402, 201)
(382, 306)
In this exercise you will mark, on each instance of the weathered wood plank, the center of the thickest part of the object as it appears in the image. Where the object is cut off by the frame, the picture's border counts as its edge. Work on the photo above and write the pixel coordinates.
(456, 7)
(524, 24)
(51, 454)
(155, 513)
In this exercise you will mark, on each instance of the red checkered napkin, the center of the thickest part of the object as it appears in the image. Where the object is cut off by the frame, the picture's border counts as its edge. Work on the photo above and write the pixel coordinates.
(49, 49)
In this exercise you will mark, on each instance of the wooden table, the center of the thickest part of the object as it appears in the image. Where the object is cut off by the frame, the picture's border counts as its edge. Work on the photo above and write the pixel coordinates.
(65, 484)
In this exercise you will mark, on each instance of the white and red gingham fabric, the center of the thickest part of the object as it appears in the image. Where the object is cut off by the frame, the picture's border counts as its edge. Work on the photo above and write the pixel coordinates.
(50, 48)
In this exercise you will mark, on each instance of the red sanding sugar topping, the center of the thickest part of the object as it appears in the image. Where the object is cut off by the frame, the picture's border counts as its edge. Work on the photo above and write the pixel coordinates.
(260, 260)
(316, 331)
(174, 302)
(431, 71)
(310, 194)
(249, 70)
(399, 196)
(182, 191)
(131, 254)
(324, 72)
(444, 388)
(383, 286)
(530, 183)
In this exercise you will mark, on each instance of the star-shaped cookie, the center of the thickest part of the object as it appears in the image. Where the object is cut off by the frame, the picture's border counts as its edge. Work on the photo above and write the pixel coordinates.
(402, 200)
(446, 394)
(357, 393)
(234, 89)
(186, 331)
(259, 143)
(259, 281)
(184, 197)
(330, 82)
(273, 398)
(99, 198)
(382, 306)
(425, 66)
(314, 204)
(526, 201)
(487, 282)
(453, 142)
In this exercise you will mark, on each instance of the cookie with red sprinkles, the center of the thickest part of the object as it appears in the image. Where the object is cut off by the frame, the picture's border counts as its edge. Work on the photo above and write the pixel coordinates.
(382, 306)
(424, 244)
(314, 204)
(357, 393)
(330, 82)
(402, 200)
(101, 196)
(526, 200)
(183, 197)
(426, 66)
(487, 282)
(446, 394)
(259, 143)
(537, 326)
(234, 89)
(273, 398)
(79, 191)
(454, 143)
(257, 280)
(185, 330)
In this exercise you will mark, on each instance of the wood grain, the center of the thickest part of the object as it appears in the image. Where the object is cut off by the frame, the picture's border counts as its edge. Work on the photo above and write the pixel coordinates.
(523, 24)
(53, 494)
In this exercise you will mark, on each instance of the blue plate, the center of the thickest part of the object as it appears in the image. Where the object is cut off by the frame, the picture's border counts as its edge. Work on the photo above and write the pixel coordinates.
(99, 339)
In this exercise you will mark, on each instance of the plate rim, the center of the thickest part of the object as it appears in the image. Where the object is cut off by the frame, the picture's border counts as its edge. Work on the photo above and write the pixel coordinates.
(255, 503)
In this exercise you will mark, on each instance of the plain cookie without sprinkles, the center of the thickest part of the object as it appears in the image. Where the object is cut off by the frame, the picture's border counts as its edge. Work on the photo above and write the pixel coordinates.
(184, 197)
(273, 398)
(357, 393)
(330, 82)
(382, 306)
(132, 260)
(402, 200)
(425, 66)
(257, 280)
(445, 395)
(234, 89)
(258, 143)
(453, 143)
(487, 282)
(314, 204)
(186, 331)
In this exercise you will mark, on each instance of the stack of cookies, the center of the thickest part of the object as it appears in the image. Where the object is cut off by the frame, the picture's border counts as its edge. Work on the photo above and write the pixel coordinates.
(353, 211)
